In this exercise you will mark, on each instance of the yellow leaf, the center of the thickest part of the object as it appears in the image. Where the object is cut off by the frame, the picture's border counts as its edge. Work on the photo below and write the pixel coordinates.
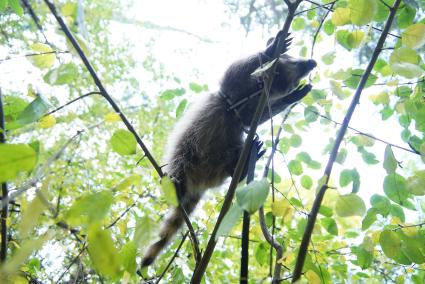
(414, 36)
(410, 231)
(47, 121)
(341, 16)
(112, 117)
(355, 38)
(42, 61)
(102, 252)
(33, 211)
(312, 277)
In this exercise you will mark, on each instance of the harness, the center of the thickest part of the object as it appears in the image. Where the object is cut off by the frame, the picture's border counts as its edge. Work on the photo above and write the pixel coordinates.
(234, 106)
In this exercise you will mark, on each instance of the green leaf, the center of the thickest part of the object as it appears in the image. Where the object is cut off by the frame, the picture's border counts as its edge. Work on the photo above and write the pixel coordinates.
(356, 74)
(390, 163)
(330, 225)
(413, 250)
(328, 58)
(145, 231)
(390, 243)
(33, 112)
(405, 61)
(369, 158)
(63, 75)
(329, 27)
(295, 167)
(364, 257)
(42, 61)
(295, 140)
(362, 11)
(128, 257)
(381, 204)
(15, 158)
(169, 191)
(102, 252)
(310, 114)
(397, 211)
(16, 7)
(349, 205)
(342, 155)
(180, 108)
(395, 188)
(414, 36)
(253, 195)
(3, 5)
(416, 183)
(306, 182)
(326, 211)
(338, 90)
(229, 221)
(342, 38)
(369, 219)
(123, 142)
(91, 207)
(171, 93)
(298, 24)
(348, 176)
(406, 16)
(262, 254)
(196, 87)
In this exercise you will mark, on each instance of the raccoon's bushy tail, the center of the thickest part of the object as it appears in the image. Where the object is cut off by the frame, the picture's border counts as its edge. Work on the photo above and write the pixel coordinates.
(170, 226)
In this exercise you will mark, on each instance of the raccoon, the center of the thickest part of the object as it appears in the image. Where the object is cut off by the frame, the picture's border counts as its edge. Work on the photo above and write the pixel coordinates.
(205, 145)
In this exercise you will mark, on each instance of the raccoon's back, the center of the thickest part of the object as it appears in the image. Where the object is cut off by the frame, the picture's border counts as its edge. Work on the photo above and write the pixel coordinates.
(198, 148)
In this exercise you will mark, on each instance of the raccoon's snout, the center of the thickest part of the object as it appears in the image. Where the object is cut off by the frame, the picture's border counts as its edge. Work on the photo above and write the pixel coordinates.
(307, 66)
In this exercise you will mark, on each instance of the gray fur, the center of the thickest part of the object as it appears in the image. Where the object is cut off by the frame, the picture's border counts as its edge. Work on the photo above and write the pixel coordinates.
(206, 143)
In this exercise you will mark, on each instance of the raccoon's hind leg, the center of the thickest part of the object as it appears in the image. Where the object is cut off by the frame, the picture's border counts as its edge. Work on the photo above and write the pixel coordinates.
(188, 200)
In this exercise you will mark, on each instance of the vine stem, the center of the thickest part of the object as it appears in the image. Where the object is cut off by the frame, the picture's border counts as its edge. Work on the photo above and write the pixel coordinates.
(100, 86)
(202, 266)
(328, 170)
(4, 192)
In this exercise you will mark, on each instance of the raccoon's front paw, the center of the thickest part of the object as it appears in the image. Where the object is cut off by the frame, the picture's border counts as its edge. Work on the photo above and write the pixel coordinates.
(257, 152)
(299, 93)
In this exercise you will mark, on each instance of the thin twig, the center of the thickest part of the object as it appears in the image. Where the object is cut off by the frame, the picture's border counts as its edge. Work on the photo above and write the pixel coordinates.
(100, 86)
(74, 260)
(172, 258)
(72, 101)
(40, 172)
(35, 19)
(192, 235)
(329, 9)
(4, 192)
(366, 134)
(32, 54)
(122, 214)
(328, 170)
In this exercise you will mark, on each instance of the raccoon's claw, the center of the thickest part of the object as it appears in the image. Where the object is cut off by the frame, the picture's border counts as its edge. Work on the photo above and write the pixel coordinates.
(299, 93)
(258, 144)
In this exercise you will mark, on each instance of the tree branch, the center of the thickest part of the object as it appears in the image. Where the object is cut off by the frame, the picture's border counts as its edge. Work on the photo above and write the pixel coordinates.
(328, 170)
(101, 88)
(200, 269)
(4, 192)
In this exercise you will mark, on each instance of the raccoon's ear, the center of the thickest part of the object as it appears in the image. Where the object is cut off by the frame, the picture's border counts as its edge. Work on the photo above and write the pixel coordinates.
(272, 44)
